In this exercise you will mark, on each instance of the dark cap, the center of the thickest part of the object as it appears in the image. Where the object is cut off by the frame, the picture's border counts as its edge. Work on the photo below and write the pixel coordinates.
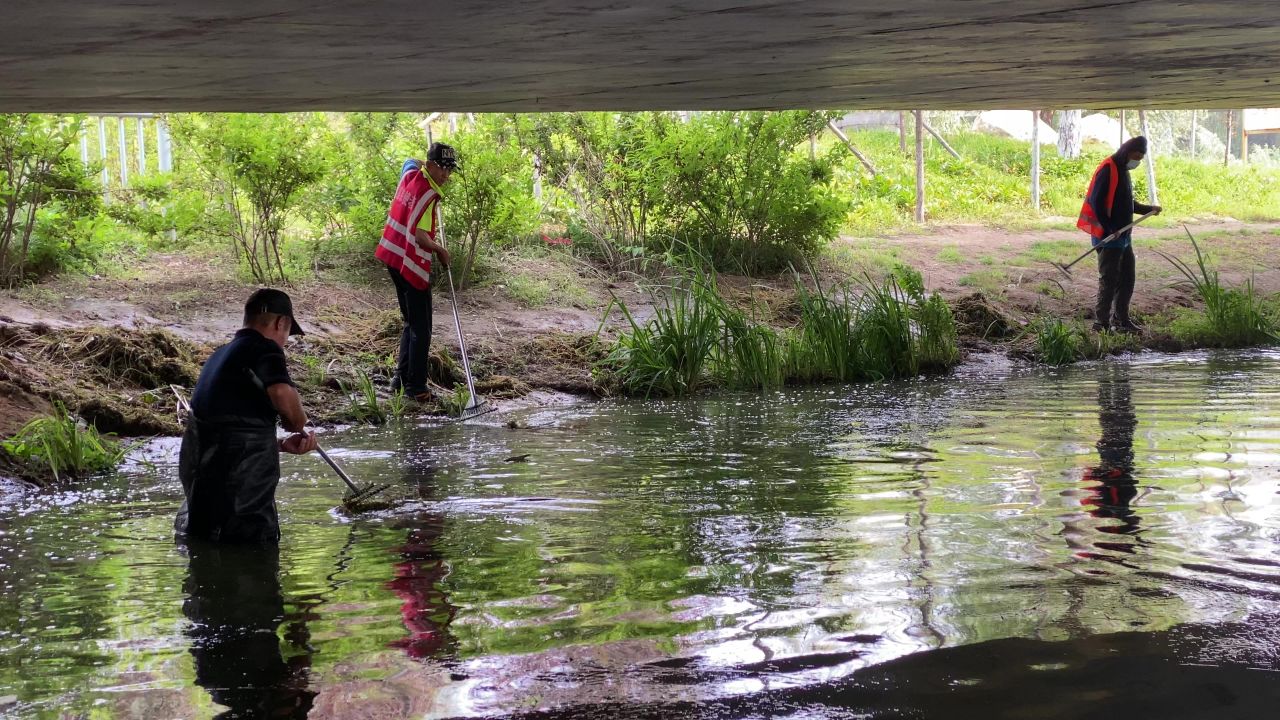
(443, 155)
(270, 300)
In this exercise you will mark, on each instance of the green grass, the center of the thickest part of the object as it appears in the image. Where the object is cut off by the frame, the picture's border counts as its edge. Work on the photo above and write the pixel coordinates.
(363, 401)
(538, 278)
(951, 254)
(879, 330)
(58, 444)
(1232, 316)
(991, 282)
(991, 185)
(1058, 342)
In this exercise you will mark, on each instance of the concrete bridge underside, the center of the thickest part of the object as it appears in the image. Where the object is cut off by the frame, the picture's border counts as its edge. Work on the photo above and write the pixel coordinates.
(483, 55)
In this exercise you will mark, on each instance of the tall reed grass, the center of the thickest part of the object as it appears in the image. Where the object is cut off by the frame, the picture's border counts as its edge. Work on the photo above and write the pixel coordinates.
(696, 339)
(1233, 316)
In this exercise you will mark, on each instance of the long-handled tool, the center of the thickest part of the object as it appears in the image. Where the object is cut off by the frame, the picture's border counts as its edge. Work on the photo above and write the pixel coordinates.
(1066, 269)
(357, 495)
(475, 406)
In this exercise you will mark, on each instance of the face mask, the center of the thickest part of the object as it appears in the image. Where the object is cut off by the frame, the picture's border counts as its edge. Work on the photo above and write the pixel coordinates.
(1133, 164)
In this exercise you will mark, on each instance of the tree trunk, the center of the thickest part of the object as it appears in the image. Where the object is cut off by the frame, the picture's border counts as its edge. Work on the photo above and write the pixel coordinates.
(1069, 139)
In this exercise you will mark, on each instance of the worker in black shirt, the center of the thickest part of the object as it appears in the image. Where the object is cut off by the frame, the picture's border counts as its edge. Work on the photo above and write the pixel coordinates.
(230, 459)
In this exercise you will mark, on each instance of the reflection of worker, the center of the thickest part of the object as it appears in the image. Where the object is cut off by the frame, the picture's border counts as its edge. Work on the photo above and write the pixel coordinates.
(235, 606)
(1116, 487)
(1108, 207)
(419, 579)
(230, 458)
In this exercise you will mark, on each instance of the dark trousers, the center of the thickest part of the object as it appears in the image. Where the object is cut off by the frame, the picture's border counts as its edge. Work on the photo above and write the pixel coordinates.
(1115, 285)
(229, 477)
(415, 338)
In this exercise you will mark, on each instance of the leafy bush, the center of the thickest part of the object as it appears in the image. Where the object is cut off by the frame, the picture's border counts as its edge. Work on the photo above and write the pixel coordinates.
(44, 190)
(490, 203)
(256, 167)
(736, 190)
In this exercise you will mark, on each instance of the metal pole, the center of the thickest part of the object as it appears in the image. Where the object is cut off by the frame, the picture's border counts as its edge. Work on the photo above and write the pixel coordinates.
(102, 153)
(1193, 133)
(1121, 127)
(84, 146)
(124, 156)
(1226, 150)
(919, 165)
(537, 177)
(849, 144)
(1035, 159)
(164, 151)
(902, 132)
(142, 147)
(1151, 159)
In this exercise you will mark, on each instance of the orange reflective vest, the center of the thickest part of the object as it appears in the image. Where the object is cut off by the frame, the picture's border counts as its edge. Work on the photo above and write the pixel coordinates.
(417, 198)
(1088, 221)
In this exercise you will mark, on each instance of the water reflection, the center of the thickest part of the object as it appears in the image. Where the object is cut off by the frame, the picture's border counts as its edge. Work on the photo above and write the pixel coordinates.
(235, 607)
(1110, 484)
(421, 569)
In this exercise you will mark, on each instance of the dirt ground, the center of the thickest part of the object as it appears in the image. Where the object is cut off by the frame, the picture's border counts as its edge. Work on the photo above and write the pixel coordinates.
(55, 337)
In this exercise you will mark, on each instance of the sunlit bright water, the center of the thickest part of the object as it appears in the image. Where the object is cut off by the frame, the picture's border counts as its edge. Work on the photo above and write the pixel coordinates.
(1003, 542)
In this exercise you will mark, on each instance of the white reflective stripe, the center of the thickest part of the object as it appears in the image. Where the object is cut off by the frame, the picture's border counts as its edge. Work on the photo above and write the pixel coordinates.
(386, 244)
(409, 262)
(417, 211)
(397, 226)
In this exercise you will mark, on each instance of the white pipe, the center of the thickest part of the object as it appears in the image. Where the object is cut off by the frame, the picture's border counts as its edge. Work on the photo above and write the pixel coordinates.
(124, 156)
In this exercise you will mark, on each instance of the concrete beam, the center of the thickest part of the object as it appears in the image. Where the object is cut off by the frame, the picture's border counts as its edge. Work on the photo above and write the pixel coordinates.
(484, 55)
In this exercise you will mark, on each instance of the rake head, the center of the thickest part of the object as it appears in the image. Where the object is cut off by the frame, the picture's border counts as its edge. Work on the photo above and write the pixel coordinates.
(359, 500)
(481, 408)
(1062, 268)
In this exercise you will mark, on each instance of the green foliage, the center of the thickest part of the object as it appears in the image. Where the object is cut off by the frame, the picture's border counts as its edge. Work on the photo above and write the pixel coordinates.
(363, 401)
(1233, 317)
(667, 355)
(61, 445)
(44, 192)
(455, 401)
(490, 203)
(1058, 342)
(256, 167)
(363, 153)
(695, 339)
(736, 190)
(991, 184)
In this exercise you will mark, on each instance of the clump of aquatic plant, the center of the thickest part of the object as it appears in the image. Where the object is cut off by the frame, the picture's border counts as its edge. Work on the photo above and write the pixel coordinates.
(1057, 342)
(363, 401)
(455, 401)
(1233, 317)
(64, 447)
(750, 355)
(669, 354)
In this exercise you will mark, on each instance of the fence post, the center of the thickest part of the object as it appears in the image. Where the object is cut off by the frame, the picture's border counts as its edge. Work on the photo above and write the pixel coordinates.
(1035, 159)
(919, 118)
(124, 156)
(1151, 159)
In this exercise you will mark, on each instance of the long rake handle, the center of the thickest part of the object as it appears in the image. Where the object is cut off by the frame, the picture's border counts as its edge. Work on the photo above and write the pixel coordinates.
(337, 469)
(457, 323)
(1106, 240)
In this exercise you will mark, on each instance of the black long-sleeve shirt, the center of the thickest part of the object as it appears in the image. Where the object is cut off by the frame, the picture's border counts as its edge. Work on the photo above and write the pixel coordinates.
(1123, 210)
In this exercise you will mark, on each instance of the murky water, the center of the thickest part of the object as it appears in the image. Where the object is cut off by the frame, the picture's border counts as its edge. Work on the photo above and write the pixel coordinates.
(1000, 543)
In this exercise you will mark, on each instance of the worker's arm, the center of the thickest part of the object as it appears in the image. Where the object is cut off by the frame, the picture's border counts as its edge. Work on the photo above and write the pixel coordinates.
(1141, 209)
(425, 242)
(287, 402)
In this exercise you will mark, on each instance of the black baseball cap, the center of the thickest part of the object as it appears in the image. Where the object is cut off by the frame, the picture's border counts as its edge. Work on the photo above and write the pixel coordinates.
(443, 155)
(270, 300)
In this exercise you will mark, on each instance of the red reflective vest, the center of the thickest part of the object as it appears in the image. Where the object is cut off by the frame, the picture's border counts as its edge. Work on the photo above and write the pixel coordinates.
(417, 198)
(1088, 221)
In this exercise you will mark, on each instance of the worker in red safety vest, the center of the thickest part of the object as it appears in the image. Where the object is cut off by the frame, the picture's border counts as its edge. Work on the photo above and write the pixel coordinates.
(1109, 206)
(407, 244)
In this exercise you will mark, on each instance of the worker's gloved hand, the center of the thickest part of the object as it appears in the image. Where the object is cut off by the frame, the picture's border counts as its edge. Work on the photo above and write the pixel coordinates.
(299, 443)
(443, 256)
(1156, 209)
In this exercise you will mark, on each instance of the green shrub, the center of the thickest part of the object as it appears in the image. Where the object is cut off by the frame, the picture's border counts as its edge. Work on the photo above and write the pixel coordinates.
(62, 446)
